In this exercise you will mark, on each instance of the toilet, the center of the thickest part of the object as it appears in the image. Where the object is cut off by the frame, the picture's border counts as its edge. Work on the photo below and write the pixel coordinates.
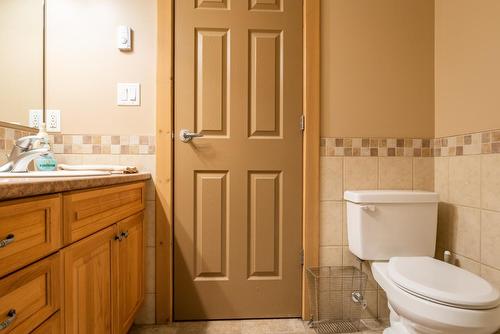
(396, 232)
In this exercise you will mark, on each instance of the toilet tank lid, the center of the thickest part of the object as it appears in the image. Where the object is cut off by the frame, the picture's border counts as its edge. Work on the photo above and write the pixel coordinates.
(390, 196)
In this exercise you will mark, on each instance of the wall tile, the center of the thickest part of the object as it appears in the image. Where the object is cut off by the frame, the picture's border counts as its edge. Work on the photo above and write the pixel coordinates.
(467, 264)
(423, 174)
(349, 259)
(70, 159)
(492, 275)
(330, 256)
(383, 308)
(331, 169)
(466, 232)
(146, 314)
(445, 227)
(441, 177)
(465, 180)
(95, 159)
(371, 311)
(396, 173)
(149, 268)
(360, 173)
(330, 223)
(149, 224)
(490, 182)
(490, 238)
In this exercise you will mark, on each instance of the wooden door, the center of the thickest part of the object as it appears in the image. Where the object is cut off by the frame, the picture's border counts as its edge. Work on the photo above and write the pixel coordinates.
(130, 270)
(238, 189)
(89, 274)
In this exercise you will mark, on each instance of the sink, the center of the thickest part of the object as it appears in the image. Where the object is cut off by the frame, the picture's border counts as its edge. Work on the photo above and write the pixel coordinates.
(58, 173)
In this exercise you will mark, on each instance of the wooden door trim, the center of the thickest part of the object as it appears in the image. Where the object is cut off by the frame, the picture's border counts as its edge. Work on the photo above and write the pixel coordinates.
(164, 162)
(311, 98)
(164, 156)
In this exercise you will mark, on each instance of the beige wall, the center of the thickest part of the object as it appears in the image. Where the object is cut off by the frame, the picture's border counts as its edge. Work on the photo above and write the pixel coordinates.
(84, 65)
(21, 59)
(377, 68)
(467, 66)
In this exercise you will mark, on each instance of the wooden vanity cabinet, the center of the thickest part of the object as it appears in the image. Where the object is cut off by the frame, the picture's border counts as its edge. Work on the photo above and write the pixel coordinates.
(94, 284)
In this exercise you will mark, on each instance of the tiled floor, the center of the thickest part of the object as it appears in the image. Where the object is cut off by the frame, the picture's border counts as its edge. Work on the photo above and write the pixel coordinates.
(275, 326)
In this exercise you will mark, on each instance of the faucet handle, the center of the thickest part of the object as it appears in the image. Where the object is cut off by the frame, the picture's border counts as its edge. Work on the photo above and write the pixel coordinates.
(28, 141)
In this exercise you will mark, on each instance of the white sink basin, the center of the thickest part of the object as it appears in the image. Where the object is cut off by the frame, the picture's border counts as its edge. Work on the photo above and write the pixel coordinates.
(58, 173)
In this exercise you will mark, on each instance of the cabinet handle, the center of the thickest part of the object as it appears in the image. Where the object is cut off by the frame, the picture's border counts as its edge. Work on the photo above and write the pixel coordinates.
(119, 237)
(11, 316)
(125, 234)
(8, 240)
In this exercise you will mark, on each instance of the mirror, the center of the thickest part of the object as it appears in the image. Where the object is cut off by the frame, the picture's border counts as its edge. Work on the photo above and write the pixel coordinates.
(21, 59)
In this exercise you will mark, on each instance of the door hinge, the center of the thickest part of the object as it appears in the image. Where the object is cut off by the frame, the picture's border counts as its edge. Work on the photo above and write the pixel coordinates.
(301, 255)
(302, 122)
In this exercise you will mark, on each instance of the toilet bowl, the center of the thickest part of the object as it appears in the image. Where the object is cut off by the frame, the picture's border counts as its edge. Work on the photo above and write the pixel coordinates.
(430, 296)
(396, 230)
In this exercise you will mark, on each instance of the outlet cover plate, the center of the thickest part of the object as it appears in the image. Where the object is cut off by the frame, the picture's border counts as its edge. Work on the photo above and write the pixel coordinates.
(35, 118)
(53, 120)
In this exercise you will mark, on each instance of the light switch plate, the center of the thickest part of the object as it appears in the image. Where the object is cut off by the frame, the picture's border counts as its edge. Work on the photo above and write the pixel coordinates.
(53, 120)
(128, 94)
(36, 118)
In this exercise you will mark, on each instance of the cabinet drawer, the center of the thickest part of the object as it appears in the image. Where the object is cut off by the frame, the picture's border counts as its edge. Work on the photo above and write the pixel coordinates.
(51, 326)
(29, 230)
(30, 296)
(86, 212)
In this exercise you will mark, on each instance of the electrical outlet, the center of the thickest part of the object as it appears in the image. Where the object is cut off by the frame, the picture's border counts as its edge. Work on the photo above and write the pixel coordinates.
(53, 120)
(36, 118)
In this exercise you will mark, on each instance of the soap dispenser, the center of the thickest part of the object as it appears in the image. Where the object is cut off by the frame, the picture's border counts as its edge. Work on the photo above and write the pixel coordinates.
(46, 162)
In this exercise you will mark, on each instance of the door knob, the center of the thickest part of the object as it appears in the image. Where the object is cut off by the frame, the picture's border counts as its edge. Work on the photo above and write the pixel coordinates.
(186, 135)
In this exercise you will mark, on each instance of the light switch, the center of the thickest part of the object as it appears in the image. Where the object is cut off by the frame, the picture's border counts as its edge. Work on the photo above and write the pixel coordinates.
(128, 94)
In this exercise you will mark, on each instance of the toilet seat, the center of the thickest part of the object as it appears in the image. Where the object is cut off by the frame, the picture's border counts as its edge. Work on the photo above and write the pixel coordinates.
(415, 312)
(442, 283)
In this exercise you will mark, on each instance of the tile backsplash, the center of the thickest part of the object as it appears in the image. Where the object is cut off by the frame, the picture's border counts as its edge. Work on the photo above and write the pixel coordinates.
(103, 144)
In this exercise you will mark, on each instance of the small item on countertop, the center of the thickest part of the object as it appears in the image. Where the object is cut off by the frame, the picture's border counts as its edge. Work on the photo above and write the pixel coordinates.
(46, 162)
(115, 169)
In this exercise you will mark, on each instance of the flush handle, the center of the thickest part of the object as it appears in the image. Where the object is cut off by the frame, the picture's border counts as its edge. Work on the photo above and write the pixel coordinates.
(370, 208)
(186, 135)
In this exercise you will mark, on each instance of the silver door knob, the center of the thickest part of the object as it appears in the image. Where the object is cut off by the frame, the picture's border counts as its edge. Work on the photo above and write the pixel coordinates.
(186, 135)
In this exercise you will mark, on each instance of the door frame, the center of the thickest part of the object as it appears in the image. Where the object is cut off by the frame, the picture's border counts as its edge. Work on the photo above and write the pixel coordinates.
(164, 152)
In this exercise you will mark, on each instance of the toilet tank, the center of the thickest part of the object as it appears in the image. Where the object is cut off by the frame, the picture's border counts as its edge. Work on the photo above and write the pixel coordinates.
(386, 223)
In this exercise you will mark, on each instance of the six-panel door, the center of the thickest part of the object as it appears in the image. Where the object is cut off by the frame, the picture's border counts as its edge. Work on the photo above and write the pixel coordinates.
(238, 189)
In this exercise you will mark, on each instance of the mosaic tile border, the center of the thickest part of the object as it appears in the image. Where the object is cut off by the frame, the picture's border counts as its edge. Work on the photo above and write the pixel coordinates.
(103, 144)
(485, 142)
(376, 147)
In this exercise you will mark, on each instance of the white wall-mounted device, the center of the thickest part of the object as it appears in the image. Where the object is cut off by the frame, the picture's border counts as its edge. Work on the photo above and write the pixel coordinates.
(128, 94)
(53, 120)
(36, 118)
(124, 38)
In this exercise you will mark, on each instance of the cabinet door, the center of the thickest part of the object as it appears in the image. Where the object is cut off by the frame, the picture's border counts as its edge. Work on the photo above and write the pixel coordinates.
(51, 326)
(90, 273)
(130, 270)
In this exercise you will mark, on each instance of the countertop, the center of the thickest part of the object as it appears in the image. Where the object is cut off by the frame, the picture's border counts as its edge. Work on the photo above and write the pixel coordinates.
(11, 188)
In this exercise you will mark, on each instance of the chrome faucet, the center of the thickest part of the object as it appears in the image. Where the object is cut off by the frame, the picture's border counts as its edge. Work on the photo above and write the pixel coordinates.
(25, 150)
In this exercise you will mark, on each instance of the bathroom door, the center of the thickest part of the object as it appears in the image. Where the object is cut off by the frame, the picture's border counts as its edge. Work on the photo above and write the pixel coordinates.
(238, 188)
